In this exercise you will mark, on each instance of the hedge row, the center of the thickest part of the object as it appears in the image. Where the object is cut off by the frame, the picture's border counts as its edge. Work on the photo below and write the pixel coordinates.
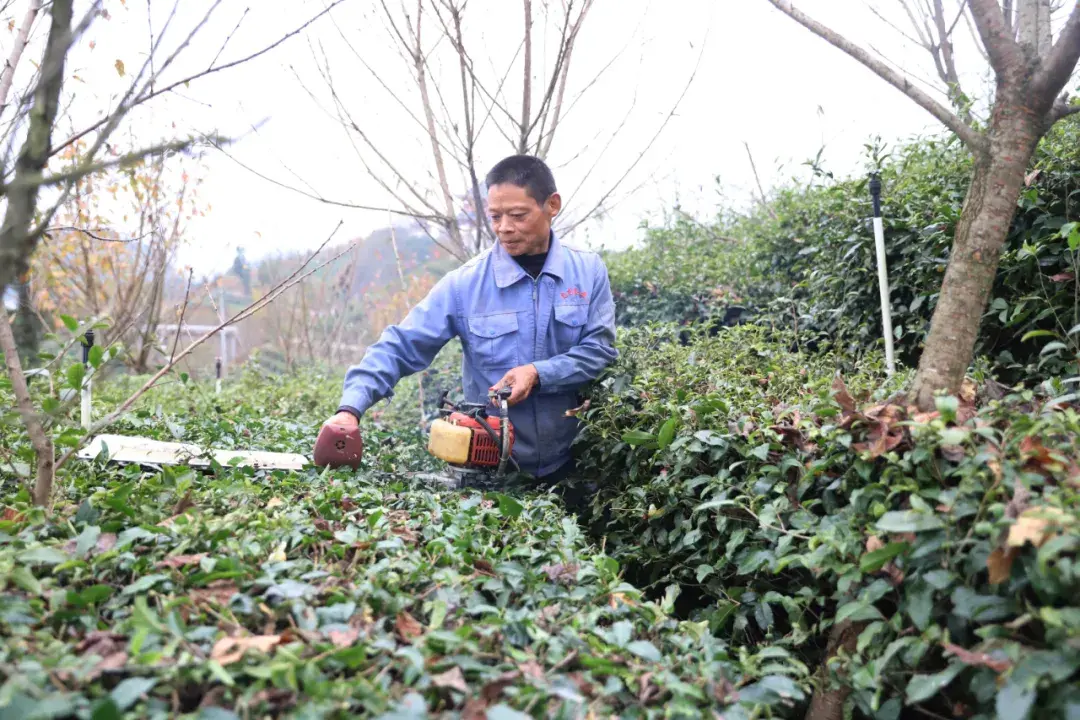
(783, 501)
(239, 593)
(806, 261)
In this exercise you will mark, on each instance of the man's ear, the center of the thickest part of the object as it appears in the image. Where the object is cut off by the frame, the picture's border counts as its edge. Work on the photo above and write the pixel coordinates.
(554, 204)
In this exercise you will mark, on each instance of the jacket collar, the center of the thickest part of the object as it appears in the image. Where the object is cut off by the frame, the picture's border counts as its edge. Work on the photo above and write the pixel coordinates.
(508, 271)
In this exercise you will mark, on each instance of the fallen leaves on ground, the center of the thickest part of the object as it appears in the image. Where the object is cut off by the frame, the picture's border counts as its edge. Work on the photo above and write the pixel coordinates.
(179, 561)
(452, 679)
(408, 627)
(230, 649)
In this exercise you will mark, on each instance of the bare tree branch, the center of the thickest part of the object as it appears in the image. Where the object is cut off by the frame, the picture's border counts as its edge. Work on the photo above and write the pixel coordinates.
(1062, 109)
(975, 141)
(246, 312)
(12, 62)
(526, 95)
(95, 236)
(1060, 61)
(648, 146)
(147, 96)
(320, 198)
(761, 190)
(997, 38)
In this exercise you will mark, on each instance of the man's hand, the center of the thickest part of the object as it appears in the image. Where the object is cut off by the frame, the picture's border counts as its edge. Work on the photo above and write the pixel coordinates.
(344, 419)
(521, 381)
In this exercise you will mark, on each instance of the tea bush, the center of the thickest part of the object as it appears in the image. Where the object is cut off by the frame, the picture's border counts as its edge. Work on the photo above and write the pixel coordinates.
(806, 261)
(235, 592)
(750, 479)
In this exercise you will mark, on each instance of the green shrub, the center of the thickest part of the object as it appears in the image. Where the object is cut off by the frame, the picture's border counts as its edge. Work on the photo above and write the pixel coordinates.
(236, 592)
(684, 273)
(807, 261)
(749, 478)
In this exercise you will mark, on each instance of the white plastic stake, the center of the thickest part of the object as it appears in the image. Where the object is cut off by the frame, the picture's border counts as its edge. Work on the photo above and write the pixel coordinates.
(217, 366)
(88, 381)
(883, 275)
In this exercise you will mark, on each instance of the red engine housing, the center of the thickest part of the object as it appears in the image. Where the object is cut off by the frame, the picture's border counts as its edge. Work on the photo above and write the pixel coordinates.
(483, 451)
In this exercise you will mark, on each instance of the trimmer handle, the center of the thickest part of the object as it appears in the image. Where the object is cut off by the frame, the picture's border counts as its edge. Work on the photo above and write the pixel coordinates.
(338, 446)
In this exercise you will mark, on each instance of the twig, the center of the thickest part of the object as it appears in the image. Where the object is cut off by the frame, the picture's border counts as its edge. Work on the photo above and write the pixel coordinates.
(251, 309)
(209, 71)
(757, 179)
(84, 231)
(183, 311)
(39, 440)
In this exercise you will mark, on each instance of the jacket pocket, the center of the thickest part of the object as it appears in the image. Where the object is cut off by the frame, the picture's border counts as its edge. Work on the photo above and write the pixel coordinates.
(569, 325)
(495, 340)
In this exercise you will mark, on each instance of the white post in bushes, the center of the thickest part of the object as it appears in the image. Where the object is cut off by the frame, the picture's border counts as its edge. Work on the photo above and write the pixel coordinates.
(88, 381)
(217, 370)
(883, 274)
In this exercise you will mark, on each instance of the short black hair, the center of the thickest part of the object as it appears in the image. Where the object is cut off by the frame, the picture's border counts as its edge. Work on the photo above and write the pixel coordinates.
(525, 171)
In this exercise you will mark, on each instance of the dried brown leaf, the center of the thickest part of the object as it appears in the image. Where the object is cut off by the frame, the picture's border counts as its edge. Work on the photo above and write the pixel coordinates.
(874, 543)
(560, 573)
(574, 412)
(113, 661)
(1000, 564)
(976, 658)
(484, 567)
(274, 502)
(1063, 277)
(344, 638)
(493, 689)
(408, 627)
(452, 679)
(185, 504)
(475, 709)
(12, 515)
(179, 561)
(1035, 525)
(229, 650)
(218, 592)
(101, 642)
(532, 670)
(843, 397)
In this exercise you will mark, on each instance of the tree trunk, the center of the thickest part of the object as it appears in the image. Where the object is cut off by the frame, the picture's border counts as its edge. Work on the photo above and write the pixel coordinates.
(27, 326)
(39, 438)
(17, 242)
(828, 703)
(984, 224)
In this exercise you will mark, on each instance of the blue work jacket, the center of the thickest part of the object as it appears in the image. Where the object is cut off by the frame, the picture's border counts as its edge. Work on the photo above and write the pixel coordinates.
(563, 323)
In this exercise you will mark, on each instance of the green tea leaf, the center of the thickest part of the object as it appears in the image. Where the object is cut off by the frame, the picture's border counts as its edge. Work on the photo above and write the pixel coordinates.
(903, 521)
(873, 561)
(638, 437)
(667, 432)
(923, 687)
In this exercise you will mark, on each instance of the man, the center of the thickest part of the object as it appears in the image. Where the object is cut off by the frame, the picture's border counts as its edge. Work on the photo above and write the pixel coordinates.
(531, 313)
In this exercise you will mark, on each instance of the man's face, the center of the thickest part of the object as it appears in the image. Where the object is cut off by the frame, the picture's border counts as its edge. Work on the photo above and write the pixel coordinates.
(522, 225)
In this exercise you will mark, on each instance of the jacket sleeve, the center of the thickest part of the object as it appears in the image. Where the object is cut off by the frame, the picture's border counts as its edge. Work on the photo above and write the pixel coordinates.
(402, 349)
(596, 350)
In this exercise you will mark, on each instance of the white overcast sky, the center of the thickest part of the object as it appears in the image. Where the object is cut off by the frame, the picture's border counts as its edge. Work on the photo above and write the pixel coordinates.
(762, 80)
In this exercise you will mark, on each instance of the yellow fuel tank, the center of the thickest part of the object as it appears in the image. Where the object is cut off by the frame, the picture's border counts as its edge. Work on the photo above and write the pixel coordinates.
(449, 442)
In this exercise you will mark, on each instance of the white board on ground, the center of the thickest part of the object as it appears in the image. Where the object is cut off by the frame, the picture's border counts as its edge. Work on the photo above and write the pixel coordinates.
(147, 451)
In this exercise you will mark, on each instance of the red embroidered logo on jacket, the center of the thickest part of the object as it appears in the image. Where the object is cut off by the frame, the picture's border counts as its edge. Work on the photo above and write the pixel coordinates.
(574, 291)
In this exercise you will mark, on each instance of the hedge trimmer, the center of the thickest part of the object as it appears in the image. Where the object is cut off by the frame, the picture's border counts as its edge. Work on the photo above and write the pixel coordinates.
(475, 444)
